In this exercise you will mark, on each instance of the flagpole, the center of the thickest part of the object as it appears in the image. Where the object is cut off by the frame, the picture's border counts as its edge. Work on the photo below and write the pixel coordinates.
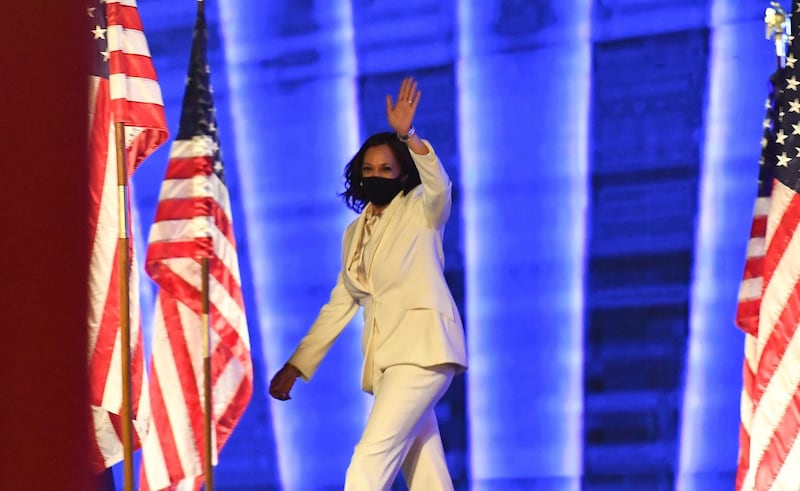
(123, 246)
(206, 326)
(207, 464)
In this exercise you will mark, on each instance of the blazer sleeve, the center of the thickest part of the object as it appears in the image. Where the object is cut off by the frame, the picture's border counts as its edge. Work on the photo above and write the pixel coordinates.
(436, 187)
(330, 322)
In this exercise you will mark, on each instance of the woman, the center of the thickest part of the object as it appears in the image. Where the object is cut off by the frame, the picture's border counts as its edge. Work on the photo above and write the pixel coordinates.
(392, 265)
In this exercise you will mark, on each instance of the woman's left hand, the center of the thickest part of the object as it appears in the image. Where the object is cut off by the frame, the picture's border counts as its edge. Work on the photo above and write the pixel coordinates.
(401, 114)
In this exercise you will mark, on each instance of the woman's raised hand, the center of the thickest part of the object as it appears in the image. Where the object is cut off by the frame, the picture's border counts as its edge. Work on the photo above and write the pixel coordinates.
(401, 114)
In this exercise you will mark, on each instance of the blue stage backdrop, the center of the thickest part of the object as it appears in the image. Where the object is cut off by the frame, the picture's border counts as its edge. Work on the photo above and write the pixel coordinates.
(604, 160)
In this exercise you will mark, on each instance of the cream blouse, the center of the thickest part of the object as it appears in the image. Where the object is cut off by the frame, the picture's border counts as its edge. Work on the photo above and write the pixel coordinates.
(357, 263)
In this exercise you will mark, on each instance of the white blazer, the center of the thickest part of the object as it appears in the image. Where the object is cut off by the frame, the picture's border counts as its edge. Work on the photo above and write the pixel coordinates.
(409, 313)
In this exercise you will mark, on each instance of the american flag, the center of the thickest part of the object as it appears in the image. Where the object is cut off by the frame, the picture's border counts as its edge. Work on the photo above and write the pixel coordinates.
(124, 88)
(193, 221)
(769, 298)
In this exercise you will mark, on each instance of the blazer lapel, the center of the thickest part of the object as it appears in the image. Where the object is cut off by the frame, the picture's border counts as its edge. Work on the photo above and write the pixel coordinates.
(377, 235)
(351, 247)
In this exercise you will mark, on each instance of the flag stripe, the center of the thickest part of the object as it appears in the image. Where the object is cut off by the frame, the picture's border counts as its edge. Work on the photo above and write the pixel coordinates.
(135, 89)
(758, 231)
(776, 259)
(146, 115)
(751, 287)
(126, 34)
(189, 167)
(789, 475)
(189, 408)
(189, 294)
(122, 3)
(135, 65)
(162, 428)
(194, 187)
(746, 412)
(780, 445)
(233, 410)
(184, 210)
(104, 346)
(124, 14)
(201, 247)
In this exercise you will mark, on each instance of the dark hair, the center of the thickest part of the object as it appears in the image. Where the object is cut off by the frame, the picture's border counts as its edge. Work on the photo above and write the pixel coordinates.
(353, 195)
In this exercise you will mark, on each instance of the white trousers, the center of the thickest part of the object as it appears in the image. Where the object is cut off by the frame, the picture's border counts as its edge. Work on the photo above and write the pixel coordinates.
(402, 432)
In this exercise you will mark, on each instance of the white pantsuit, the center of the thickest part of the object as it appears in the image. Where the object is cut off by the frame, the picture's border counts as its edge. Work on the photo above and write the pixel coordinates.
(402, 431)
(410, 319)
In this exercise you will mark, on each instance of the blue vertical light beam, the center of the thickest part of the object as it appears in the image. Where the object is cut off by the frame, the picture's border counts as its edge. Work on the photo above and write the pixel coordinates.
(727, 192)
(524, 80)
(291, 71)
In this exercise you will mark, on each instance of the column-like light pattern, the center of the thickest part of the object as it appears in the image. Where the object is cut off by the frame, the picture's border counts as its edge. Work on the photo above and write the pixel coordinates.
(291, 70)
(523, 133)
(710, 421)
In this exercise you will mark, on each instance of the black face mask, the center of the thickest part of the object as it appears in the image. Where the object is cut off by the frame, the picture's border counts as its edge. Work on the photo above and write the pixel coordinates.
(379, 190)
